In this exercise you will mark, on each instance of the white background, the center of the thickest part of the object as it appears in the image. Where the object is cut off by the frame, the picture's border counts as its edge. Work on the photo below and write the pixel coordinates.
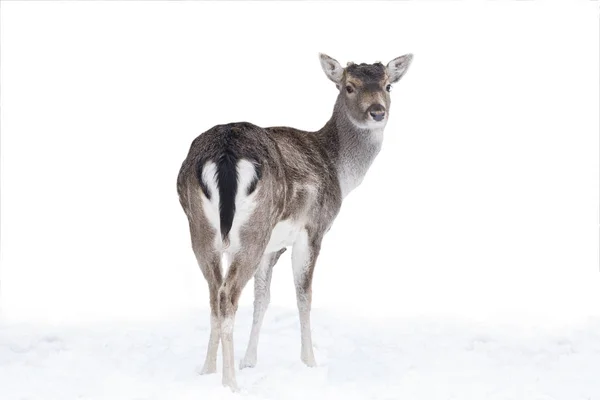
(483, 202)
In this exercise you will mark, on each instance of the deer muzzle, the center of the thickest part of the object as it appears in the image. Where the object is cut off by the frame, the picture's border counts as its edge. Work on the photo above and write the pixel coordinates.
(377, 112)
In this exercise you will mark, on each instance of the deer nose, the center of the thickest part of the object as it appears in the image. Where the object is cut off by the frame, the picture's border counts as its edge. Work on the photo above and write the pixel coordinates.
(377, 112)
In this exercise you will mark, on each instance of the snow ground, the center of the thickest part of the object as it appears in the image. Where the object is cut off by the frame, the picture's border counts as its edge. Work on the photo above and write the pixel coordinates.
(406, 358)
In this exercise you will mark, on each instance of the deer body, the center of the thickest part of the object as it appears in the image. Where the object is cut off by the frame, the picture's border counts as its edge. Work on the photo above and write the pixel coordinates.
(250, 192)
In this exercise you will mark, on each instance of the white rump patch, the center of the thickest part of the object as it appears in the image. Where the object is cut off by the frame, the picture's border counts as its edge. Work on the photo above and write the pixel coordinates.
(244, 204)
(211, 207)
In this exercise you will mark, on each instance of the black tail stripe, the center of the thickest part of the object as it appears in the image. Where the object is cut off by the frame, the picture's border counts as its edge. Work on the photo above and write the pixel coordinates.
(227, 182)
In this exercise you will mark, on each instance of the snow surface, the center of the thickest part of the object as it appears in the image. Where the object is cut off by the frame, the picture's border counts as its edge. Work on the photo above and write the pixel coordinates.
(483, 201)
(404, 358)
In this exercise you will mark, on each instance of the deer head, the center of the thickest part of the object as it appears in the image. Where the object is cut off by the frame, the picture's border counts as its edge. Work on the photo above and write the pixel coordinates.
(365, 88)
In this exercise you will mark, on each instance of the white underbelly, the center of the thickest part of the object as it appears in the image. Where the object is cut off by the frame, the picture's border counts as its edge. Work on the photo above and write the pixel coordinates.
(283, 235)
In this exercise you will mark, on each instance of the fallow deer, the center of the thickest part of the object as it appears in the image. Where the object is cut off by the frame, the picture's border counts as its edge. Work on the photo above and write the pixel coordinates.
(250, 192)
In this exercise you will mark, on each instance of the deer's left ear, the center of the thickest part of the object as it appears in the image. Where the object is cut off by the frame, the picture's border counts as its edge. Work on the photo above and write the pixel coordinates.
(398, 67)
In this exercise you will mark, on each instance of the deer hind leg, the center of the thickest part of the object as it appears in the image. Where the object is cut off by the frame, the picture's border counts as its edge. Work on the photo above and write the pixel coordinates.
(210, 265)
(210, 364)
(243, 267)
(262, 296)
(304, 256)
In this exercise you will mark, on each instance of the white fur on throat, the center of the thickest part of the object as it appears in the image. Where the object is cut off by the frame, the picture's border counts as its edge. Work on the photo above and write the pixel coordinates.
(351, 173)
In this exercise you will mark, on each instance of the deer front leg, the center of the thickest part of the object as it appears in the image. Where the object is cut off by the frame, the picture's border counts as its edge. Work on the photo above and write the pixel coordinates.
(304, 256)
(262, 296)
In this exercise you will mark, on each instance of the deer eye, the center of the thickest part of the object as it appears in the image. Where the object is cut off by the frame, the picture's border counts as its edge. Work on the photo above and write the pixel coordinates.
(349, 89)
(388, 88)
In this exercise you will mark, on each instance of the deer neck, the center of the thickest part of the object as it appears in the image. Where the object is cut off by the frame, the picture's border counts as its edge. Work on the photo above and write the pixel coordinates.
(351, 148)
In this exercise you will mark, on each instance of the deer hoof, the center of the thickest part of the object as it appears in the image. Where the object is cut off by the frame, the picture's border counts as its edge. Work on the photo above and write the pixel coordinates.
(231, 384)
(208, 369)
(247, 363)
(309, 361)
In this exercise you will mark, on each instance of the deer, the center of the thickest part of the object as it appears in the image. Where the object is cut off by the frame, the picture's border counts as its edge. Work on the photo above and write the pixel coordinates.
(250, 192)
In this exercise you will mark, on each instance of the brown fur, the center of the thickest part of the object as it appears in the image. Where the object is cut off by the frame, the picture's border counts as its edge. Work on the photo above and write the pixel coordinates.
(301, 177)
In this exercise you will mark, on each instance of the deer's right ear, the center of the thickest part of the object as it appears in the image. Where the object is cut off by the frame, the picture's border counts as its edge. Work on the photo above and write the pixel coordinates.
(332, 68)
